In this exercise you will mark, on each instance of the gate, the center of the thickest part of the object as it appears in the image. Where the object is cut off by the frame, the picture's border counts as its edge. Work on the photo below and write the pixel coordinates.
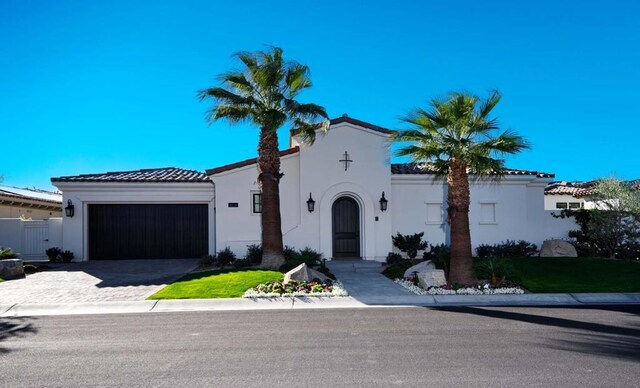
(35, 239)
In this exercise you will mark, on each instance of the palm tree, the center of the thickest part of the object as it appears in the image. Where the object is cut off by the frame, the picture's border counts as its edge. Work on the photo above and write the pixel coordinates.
(264, 93)
(456, 137)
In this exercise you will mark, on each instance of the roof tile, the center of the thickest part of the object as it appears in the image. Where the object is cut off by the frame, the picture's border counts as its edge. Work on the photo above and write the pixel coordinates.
(163, 175)
(416, 169)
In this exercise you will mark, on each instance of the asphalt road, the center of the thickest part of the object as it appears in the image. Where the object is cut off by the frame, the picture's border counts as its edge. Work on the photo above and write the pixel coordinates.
(479, 347)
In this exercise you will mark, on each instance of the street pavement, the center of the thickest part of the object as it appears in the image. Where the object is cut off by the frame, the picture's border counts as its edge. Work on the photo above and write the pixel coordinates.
(592, 346)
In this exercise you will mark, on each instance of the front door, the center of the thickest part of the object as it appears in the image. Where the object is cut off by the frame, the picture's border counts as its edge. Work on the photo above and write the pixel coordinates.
(346, 228)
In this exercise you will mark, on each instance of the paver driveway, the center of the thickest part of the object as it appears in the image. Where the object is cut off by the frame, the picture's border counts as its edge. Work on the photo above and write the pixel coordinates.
(95, 281)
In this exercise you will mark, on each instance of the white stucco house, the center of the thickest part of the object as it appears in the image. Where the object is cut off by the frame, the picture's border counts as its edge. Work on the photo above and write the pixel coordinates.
(346, 175)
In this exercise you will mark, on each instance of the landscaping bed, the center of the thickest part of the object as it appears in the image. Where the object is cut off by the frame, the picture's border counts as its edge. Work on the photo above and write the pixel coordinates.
(543, 275)
(294, 288)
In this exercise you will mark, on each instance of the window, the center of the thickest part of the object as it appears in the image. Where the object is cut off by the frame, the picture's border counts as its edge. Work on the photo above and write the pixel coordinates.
(434, 213)
(487, 213)
(574, 205)
(256, 203)
(561, 205)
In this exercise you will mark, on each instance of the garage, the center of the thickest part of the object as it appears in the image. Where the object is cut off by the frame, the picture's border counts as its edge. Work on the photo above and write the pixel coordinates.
(147, 231)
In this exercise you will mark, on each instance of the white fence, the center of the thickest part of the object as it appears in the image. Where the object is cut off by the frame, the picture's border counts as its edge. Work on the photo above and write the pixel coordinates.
(30, 238)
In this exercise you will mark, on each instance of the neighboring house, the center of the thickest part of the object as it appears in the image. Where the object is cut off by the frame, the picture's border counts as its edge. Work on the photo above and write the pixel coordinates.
(29, 203)
(340, 196)
(573, 195)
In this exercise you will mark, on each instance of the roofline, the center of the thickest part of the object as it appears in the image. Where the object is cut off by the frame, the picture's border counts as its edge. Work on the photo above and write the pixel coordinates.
(74, 178)
(247, 162)
(24, 197)
(350, 120)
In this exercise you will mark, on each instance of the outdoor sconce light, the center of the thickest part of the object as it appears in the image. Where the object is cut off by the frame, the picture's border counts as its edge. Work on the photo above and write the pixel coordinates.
(383, 203)
(311, 204)
(69, 209)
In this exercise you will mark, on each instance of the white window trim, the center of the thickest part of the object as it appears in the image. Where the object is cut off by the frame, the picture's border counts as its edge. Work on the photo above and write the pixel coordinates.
(427, 222)
(251, 193)
(495, 212)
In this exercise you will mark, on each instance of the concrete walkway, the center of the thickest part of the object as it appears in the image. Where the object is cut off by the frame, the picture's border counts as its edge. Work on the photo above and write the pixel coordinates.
(95, 281)
(365, 282)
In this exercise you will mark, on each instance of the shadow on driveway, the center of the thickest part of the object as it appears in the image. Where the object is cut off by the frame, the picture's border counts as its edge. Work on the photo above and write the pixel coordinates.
(122, 273)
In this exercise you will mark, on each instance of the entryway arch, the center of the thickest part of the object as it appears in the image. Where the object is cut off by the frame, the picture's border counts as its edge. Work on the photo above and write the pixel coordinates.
(345, 222)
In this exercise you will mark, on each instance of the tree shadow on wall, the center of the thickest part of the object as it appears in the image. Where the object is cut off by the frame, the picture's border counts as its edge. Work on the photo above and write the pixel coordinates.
(15, 328)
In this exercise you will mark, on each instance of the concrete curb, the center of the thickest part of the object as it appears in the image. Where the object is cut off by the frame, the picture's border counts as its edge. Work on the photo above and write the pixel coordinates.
(301, 303)
(22, 310)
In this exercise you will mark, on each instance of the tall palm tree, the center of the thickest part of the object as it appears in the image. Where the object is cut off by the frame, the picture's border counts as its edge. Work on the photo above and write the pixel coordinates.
(264, 93)
(456, 137)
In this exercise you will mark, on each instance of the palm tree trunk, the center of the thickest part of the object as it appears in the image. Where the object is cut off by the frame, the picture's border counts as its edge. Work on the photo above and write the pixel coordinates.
(269, 178)
(458, 198)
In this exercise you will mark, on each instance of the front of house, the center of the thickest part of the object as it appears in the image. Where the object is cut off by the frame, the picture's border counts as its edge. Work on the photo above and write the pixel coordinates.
(340, 196)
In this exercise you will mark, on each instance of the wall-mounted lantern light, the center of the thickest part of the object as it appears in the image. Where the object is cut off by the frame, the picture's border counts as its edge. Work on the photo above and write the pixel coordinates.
(69, 210)
(311, 204)
(383, 203)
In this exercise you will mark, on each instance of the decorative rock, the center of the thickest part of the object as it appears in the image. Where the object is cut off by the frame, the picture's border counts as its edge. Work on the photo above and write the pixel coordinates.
(303, 273)
(557, 248)
(433, 278)
(11, 269)
(425, 266)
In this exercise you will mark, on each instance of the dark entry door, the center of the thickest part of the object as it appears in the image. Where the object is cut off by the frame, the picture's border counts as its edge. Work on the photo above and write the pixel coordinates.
(346, 228)
(147, 231)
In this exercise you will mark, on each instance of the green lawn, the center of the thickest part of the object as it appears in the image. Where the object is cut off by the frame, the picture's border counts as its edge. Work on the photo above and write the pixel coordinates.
(228, 283)
(548, 275)
(575, 275)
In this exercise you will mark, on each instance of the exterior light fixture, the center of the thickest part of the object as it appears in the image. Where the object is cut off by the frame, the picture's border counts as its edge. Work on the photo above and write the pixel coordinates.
(69, 210)
(311, 204)
(383, 203)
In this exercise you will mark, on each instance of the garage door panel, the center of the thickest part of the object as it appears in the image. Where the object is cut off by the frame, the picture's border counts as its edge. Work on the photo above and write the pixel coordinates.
(147, 231)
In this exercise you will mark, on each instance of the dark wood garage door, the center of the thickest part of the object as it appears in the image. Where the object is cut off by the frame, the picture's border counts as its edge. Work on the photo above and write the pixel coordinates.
(147, 231)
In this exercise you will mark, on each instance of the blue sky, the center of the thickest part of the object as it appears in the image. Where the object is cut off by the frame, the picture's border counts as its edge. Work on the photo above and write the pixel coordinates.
(93, 86)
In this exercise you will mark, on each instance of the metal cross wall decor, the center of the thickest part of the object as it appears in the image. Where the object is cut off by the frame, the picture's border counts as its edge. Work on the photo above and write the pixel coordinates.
(346, 160)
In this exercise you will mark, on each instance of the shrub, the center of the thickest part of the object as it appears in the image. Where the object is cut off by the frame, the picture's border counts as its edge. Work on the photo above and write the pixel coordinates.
(410, 243)
(7, 253)
(397, 270)
(65, 257)
(440, 256)
(226, 257)
(306, 255)
(29, 269)
(289, 252)
(254, 253)
(242, 263)
(208, 260)
(52, 253)
(394, 258)
(509, 248)
(492, 269)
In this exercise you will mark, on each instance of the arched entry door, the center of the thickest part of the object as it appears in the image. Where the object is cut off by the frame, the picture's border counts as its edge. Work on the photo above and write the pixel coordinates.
(345, 214)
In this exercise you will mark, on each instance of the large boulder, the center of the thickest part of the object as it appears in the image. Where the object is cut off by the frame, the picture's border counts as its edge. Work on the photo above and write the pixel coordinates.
(433, 278)
(425, 266)
(11, 269)
(304, 273)
(557, 248)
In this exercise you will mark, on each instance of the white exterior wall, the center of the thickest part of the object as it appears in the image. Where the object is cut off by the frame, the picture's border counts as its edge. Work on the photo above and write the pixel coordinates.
(75, 229)
(36, 214)
(518, 203)
(12, 235)
(314, 169)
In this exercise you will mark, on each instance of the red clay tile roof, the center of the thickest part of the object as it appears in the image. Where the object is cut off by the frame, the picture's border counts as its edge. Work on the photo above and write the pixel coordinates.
(163, 175)
(247, 162)
(578, 189)
(415, 169)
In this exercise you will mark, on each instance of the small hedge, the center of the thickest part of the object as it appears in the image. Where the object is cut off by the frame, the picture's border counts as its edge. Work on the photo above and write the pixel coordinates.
(509, 248)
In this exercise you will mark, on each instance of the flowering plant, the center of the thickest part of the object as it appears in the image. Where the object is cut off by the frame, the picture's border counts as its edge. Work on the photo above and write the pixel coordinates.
(483, 289)
(295, 288)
